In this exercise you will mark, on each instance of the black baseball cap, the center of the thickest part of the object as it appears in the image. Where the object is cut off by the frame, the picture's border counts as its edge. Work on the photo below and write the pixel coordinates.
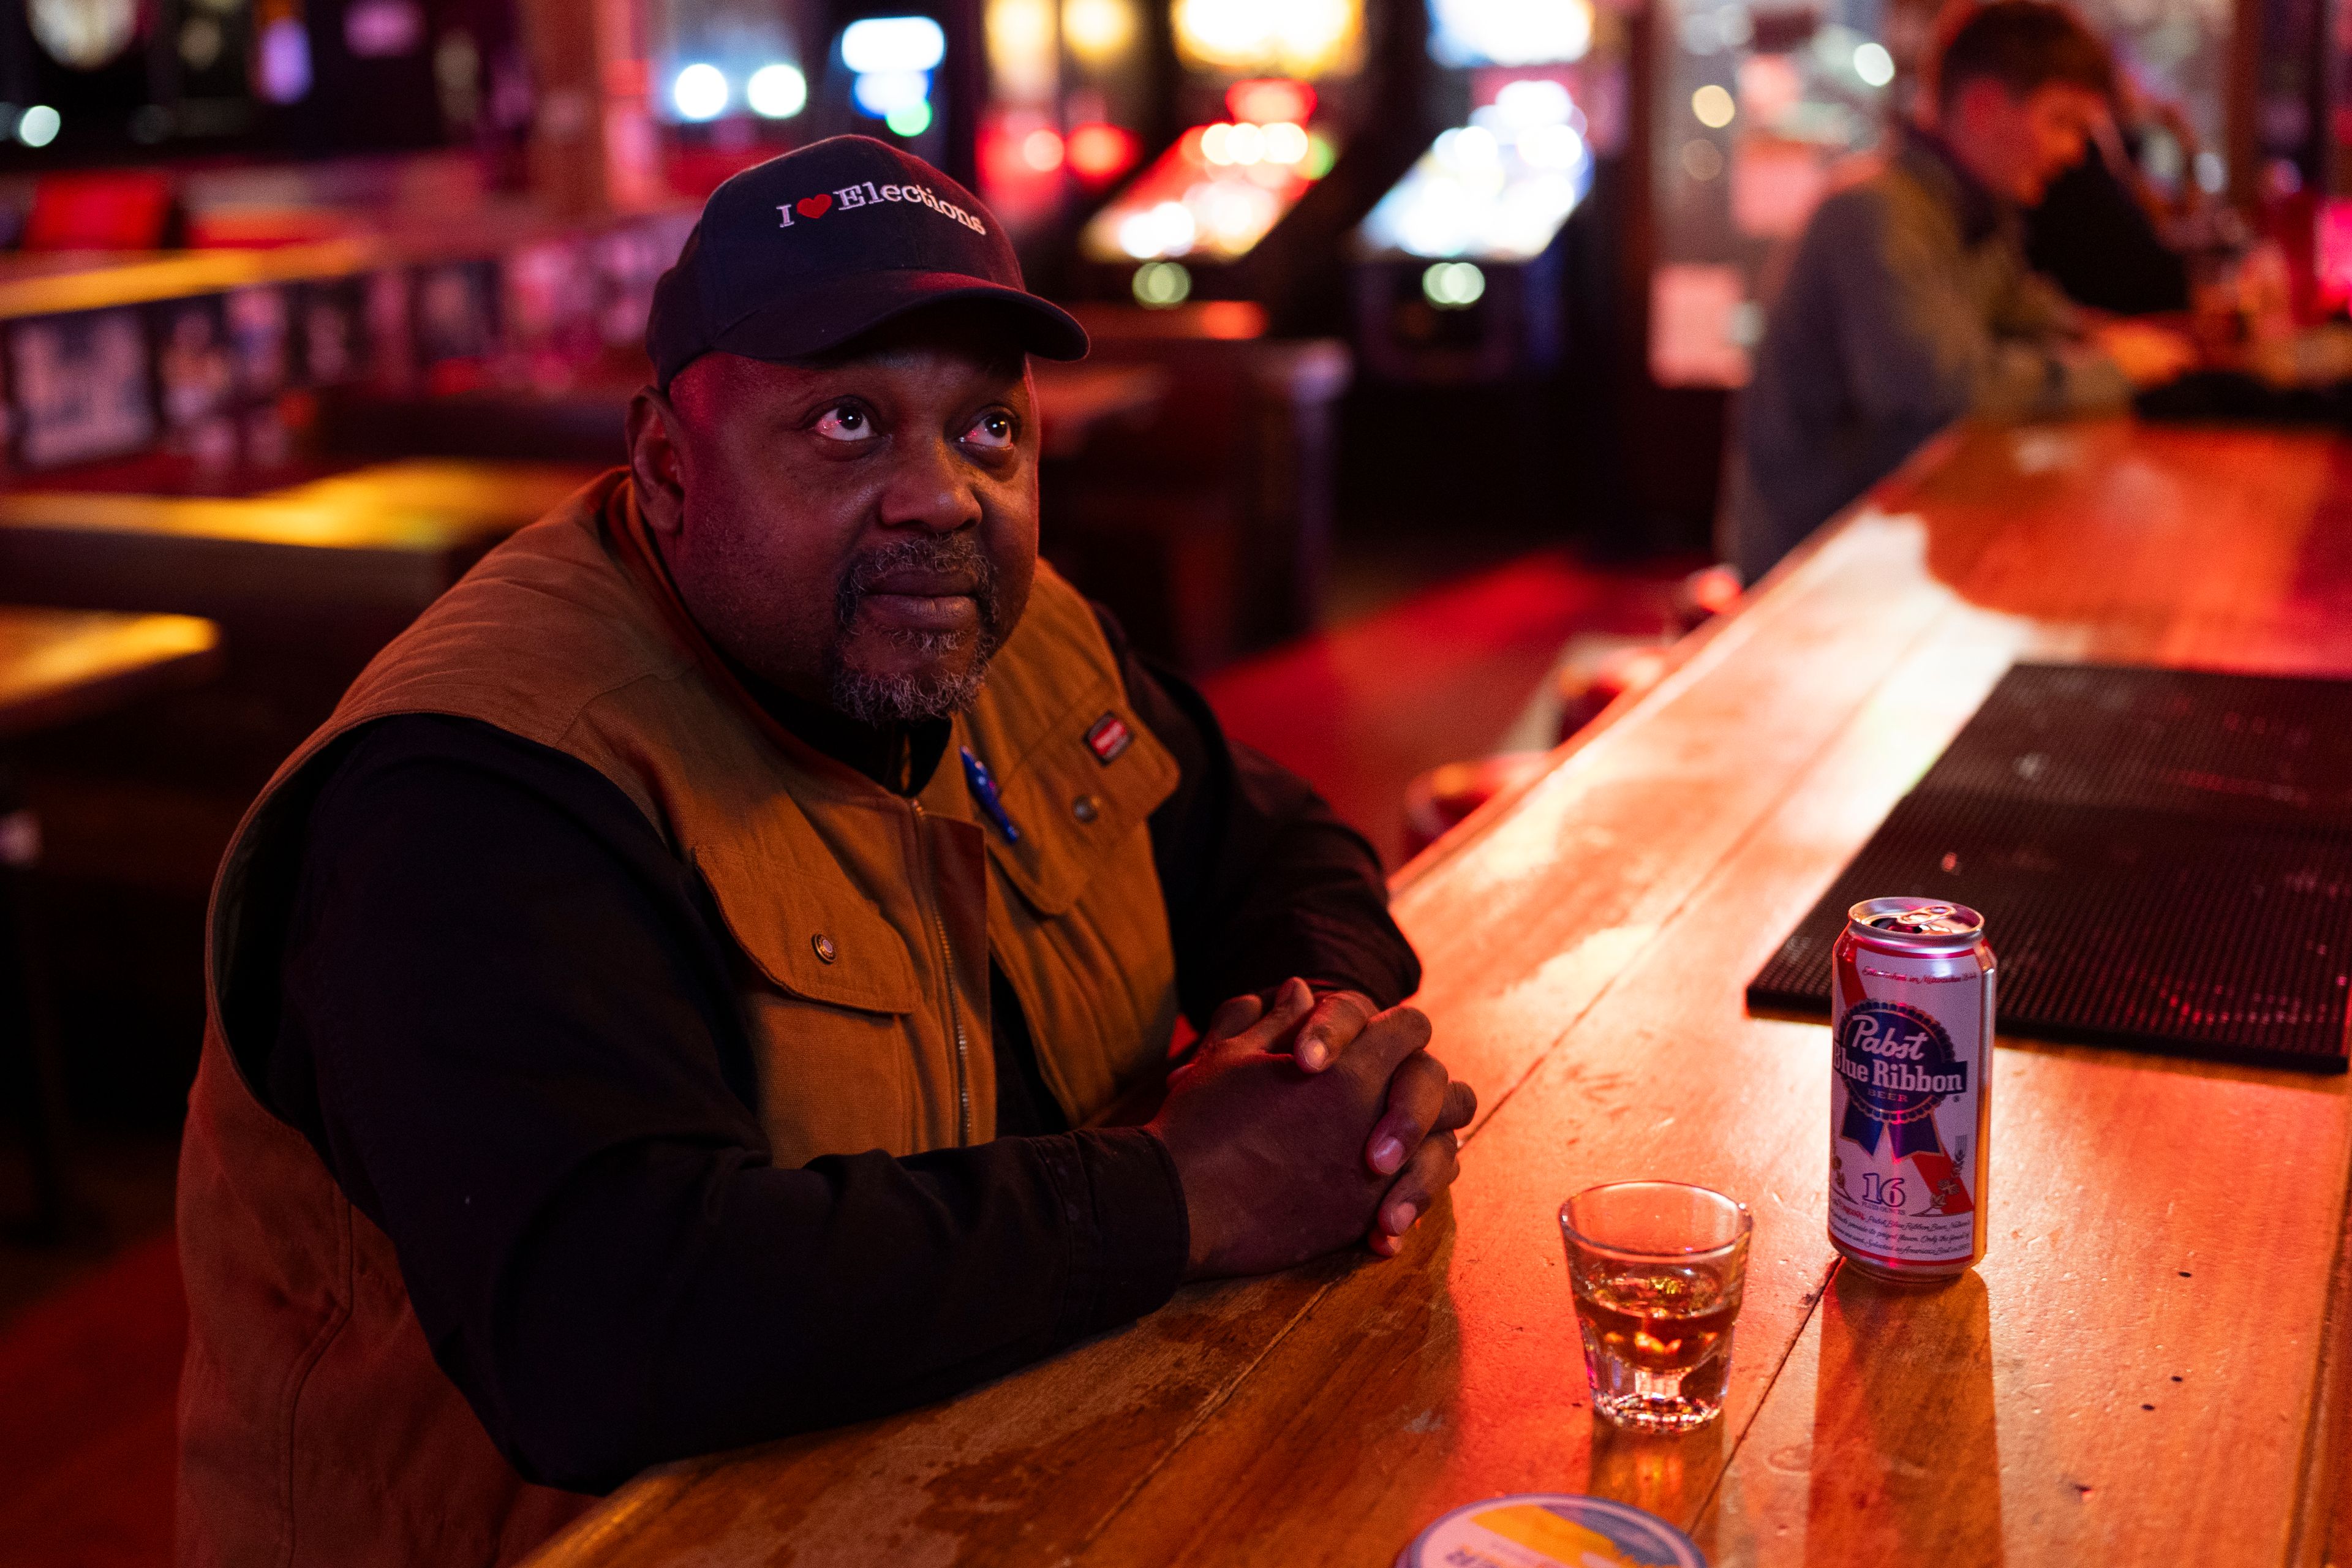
(804, 252)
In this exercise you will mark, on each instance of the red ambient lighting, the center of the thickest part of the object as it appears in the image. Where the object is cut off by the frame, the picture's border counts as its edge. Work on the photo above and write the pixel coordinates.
(2331, 252)
(1101, 152)
(126, 209)
(1021, 160)
(1270, 100)
(1042, 150)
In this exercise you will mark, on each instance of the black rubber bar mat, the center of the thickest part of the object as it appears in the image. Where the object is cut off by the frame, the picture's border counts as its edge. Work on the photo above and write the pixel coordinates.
(2163, 858)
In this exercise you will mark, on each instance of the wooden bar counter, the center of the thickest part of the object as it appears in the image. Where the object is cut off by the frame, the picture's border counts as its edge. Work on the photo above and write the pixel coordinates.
(2150, 1365)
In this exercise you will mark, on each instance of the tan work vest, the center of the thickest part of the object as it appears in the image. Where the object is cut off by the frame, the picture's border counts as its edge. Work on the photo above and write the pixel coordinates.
(315, 1426)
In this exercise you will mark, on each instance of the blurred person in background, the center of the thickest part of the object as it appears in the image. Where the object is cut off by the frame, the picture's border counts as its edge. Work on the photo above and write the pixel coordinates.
(1908, 302)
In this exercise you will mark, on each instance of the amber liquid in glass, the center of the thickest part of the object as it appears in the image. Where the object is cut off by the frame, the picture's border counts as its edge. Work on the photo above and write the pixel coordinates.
(1657, 1344)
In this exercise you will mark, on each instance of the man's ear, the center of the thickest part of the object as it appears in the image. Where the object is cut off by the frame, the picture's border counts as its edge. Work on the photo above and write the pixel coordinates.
(657, 460)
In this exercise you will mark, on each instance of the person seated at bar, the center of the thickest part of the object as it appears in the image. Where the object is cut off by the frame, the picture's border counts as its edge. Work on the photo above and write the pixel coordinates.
(674, 1001)
(1908, 302)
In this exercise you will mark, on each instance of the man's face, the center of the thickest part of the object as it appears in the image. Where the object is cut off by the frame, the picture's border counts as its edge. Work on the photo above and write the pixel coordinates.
(861, 530)
(2017, 145)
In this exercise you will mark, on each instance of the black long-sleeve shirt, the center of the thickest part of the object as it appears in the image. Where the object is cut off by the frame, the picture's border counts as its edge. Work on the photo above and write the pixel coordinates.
(509, 1028)
(2091, 236)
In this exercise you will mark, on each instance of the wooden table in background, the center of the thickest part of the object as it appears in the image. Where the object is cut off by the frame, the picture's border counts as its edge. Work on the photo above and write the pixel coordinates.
(353, 557)
(2149, 1367)
(61, 665)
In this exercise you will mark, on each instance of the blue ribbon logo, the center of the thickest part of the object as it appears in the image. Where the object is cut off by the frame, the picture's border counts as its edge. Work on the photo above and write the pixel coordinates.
(1898, 1065)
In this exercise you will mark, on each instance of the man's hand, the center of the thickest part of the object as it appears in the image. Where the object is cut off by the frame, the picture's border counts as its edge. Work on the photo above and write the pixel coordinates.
(2148, 355)
(1318, 1026)
(1422, 1099)
(1281, 1164)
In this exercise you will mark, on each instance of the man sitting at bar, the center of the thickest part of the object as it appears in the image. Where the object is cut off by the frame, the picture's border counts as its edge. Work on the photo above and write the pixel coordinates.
(1908, 302)
(672, 1001)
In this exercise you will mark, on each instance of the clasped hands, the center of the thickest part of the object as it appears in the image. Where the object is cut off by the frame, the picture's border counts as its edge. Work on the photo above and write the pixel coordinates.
(1300, 1125)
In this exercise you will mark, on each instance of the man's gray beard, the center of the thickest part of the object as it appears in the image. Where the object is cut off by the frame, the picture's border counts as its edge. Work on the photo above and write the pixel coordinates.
(904, 698)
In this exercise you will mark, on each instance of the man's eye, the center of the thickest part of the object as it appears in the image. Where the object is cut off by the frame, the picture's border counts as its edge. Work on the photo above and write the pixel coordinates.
(845, 422)
(995, 430)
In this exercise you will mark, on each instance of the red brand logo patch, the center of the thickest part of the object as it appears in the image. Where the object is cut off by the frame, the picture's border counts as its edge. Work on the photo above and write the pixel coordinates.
(813, 206)
(1108, 738)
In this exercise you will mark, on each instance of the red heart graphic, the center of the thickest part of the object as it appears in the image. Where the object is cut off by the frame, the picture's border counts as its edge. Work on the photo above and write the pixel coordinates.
(813, 206)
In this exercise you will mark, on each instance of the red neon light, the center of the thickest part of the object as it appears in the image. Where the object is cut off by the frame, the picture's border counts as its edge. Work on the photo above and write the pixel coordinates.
(1042, 150)
(1269, 100)
(1099, 151)
(2331, 252)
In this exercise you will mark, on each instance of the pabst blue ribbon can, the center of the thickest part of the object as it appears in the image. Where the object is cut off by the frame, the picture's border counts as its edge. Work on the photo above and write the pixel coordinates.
(1911, 1019)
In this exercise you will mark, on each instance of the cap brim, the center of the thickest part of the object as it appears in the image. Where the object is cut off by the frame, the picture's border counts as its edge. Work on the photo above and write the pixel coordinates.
(825, 315)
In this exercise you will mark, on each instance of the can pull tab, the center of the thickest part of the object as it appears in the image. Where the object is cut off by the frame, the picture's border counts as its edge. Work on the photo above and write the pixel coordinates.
(984, 790)
(1927, 919)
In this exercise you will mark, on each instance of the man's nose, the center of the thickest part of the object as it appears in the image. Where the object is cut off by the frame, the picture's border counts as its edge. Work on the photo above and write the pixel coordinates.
(930, 486)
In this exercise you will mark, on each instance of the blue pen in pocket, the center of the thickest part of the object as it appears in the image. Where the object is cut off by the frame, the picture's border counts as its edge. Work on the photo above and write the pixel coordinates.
(984, 790)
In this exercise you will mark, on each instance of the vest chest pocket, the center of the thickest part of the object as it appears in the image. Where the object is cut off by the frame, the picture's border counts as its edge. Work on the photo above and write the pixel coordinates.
(811, 932)
(1076, 798)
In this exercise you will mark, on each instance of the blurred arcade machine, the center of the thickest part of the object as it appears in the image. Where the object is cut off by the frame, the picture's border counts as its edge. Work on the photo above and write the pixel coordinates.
(1073, 89)
(1288, 118)
(1037, 105)
(729, 85)
(1248, 135)
(1460, 273)
(891, 76)
(1487, 283)
(744, 80)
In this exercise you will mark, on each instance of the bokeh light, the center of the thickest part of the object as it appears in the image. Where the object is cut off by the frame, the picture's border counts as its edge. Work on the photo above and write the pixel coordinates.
(282, 61)
(1297, 38)
(39, 126)
(1267, 101)
(1509, 32)
(884, 93)
(1498, 188)
(1021, 64)
(1099, 31)
(776, 91)
(1101, 152)
(1042, 150)
(1453, 285)
(699, 93)
(1166, 229)
(1286, 142)
(1162, 285)
(893, 44)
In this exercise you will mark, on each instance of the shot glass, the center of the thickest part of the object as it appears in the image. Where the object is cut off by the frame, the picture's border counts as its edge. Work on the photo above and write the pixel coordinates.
(1657, 1269)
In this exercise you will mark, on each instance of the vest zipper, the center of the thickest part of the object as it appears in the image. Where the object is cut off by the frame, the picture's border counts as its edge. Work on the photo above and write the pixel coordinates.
(946, 953)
